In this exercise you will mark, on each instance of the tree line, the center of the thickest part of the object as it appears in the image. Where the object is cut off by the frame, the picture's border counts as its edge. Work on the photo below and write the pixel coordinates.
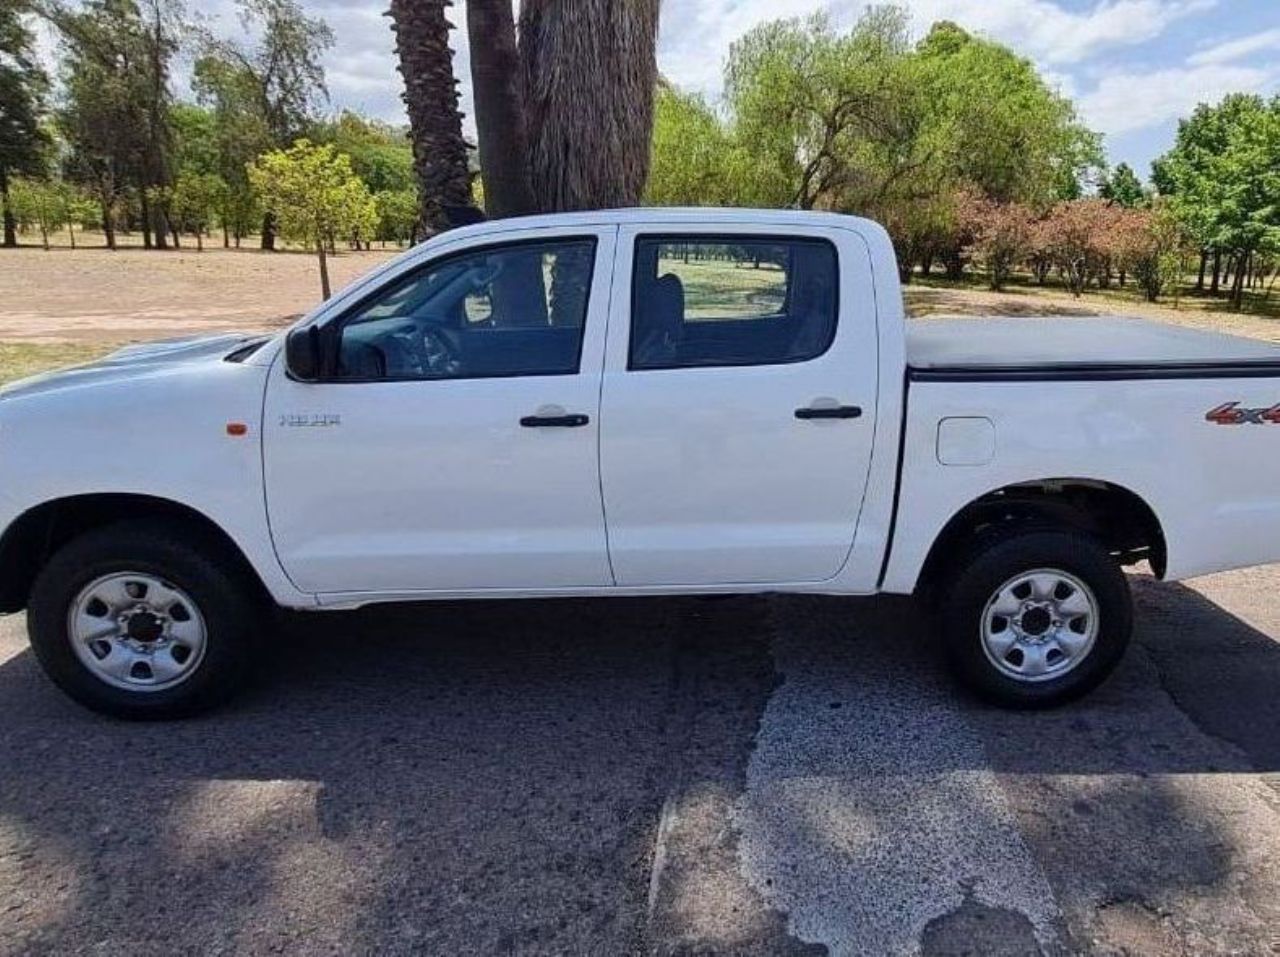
(117, 148)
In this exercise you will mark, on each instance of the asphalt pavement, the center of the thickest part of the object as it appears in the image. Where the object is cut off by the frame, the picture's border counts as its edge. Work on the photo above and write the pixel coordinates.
(762, 775)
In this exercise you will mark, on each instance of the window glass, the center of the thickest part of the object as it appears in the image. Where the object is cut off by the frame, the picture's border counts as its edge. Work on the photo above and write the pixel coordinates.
(705, 301)
(499, 311)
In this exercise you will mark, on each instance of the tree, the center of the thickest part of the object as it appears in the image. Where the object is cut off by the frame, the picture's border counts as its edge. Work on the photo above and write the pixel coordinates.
(380, 153)
(810, 105)
(589, 73)
(82, 211)
(692, 153)
(397, 215)
(40, 203)
(1223, 183)
(317, 197)
(1078, 232)
(264, 95)
(431, 97)
(1001, 237)
(240, 135)
(22, 90)
(995, 124)
(1123, 187)
(1149, 244)
(116, 63)
(499, 109)
(115, 66)
(196, 198)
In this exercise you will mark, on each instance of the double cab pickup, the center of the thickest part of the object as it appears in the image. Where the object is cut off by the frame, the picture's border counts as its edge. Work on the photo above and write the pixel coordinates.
(636, 402)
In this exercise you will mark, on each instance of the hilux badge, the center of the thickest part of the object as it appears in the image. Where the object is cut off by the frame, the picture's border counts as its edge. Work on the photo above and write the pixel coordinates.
(315, 420)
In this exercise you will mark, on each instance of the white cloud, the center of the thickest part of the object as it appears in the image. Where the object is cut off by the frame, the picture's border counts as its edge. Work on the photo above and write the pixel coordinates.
(1237, 49)
(1046, 31)
(1123, 101)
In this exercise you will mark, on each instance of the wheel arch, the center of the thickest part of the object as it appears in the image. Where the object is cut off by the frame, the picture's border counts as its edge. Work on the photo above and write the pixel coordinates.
(35, 535)
(1121, 519)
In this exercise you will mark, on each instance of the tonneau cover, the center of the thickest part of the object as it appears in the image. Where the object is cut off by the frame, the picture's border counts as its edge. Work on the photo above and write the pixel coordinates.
(1033, 346)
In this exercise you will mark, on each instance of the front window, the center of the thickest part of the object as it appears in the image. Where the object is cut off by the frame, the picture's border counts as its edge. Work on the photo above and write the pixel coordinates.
(512, 310)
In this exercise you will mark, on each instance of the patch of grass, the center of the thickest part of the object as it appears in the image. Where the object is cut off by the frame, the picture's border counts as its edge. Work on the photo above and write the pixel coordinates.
(21, 359)
(719, 289)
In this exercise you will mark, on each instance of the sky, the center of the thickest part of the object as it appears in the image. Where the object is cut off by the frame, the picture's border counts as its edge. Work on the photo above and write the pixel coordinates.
(1133, 67)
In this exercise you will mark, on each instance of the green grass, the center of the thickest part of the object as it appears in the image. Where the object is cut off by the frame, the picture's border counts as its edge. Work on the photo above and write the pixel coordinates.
(715, 289)
(21, 359)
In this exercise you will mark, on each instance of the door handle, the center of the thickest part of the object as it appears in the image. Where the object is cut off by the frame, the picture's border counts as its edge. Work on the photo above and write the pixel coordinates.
(555, 421)
(834, 412)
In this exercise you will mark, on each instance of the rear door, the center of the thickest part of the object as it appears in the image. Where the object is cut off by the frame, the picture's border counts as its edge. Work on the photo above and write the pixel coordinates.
(738, 404)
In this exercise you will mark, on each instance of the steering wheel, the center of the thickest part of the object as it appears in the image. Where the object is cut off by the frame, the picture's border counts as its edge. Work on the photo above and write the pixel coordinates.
(438, 355)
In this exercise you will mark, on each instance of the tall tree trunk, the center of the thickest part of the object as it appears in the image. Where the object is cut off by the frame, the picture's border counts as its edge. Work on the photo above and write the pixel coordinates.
(108, 227)
(589, 74)
(160, 226)
(431, 96)
(1237, 287)
(268, 232)
(1204, 267)
(145, 206)
(10, 221)
(499, 110)
(1217, 271)
(324, 270)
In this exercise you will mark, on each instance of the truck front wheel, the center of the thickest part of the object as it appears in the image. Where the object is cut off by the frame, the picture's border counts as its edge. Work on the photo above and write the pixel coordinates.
(1036, 618)
(143, 621)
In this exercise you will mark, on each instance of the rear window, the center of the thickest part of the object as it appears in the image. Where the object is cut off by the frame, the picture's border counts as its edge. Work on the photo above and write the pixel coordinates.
(725, 300)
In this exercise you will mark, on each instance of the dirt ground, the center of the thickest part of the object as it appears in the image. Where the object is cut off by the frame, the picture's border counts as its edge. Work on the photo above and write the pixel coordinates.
(94, 296)
(931, 301)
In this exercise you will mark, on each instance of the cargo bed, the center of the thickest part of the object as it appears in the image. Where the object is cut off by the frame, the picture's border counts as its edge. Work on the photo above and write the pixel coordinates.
(1113, 347)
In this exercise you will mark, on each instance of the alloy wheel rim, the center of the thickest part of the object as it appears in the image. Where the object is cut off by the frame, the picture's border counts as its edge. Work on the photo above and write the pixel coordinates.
(137, 631)
(1040, 625)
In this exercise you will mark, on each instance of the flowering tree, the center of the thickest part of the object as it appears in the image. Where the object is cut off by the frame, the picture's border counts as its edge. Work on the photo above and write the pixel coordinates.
(1002, 235)
(1076, 235)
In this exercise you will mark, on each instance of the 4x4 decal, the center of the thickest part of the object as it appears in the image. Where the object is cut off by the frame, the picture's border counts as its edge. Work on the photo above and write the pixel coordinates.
(1230, 413)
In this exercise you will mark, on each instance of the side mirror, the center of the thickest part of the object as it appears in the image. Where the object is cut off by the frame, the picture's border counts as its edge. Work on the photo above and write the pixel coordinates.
(302, 353)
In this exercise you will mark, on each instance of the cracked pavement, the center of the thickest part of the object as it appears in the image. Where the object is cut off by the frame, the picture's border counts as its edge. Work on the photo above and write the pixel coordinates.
(757, 775)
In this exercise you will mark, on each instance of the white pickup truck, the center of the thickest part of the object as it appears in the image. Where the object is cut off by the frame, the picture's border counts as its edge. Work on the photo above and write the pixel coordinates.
(642, 402)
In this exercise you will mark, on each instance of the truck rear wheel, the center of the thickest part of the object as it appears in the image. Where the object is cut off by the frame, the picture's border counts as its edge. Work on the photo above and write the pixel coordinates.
(140, 621)
(1036, 618)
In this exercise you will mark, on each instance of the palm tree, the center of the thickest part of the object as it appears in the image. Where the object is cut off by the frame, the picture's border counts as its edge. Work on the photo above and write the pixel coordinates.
(431, 95)
(589, 71)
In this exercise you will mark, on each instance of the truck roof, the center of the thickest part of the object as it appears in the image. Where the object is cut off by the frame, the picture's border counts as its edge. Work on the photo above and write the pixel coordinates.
(943, 347)
(675, 215)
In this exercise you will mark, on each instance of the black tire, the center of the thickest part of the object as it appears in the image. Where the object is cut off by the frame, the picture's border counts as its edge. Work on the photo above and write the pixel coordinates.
(182, 555)
(981, 572)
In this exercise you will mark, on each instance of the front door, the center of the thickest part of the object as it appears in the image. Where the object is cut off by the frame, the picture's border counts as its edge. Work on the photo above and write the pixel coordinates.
(454, 442)
(739, 405)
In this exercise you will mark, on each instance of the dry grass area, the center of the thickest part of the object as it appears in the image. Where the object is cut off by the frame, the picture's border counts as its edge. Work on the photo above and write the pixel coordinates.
(937, 299)
(93, 296)
(62, 307)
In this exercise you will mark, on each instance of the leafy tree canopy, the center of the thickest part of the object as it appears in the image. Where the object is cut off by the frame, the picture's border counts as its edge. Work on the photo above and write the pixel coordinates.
(1122, 186)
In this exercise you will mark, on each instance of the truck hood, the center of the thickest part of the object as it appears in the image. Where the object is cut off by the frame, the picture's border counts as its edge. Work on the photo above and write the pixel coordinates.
(131, 362)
